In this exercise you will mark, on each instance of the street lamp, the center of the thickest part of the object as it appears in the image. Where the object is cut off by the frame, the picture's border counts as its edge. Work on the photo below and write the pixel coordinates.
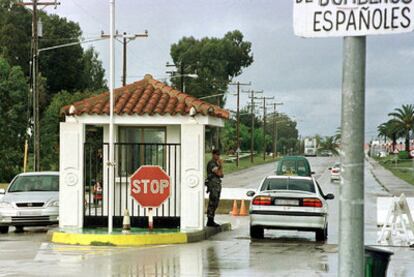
(191, 75)
(35, 97)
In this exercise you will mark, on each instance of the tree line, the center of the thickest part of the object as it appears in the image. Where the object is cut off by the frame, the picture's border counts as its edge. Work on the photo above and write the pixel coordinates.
(65, 75)
(72, 73)
(400, 125)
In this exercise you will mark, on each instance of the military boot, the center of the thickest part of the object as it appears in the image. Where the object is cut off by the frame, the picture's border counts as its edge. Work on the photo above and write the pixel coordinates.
(211, 223)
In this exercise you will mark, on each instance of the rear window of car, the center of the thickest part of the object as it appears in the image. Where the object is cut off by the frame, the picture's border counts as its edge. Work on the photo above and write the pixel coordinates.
(288, 167)
(35, 183)
(288, 184)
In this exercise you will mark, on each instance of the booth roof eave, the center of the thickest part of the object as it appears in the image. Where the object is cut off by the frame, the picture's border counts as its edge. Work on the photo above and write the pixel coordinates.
(145, 119)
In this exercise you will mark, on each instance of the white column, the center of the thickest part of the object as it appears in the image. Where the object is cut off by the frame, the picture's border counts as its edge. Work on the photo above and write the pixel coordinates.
(192, 180)
(105, 174)
(72, 137)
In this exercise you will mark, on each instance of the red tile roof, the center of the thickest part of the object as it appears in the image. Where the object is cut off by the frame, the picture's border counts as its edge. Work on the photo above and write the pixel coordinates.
(147, 96)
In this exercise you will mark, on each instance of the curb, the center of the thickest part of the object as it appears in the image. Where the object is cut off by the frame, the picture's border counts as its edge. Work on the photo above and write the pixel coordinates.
(60, 237)
(375, 176)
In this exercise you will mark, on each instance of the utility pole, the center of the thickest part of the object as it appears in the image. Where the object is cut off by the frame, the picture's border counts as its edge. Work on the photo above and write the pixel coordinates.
(35, 88)
(274, 127)
(238, 84)
(264, 123)
(125, 40)
(252, 104)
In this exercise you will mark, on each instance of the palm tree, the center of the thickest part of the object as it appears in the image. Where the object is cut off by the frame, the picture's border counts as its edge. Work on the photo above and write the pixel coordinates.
(389, 130)
(329, 144)
(403, 118)
(337, 135)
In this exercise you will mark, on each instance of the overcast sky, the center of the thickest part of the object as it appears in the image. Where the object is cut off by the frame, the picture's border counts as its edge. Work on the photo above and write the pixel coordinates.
(305, 74)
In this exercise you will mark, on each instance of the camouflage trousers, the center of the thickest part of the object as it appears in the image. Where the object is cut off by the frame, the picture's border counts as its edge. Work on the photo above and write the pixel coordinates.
(214, 198)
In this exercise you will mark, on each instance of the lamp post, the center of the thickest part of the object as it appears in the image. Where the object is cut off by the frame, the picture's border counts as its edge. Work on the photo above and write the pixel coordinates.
(181, 76)
(36, 127)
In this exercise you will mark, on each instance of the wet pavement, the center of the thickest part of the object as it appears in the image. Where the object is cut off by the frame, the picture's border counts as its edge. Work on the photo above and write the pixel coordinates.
(281, 253)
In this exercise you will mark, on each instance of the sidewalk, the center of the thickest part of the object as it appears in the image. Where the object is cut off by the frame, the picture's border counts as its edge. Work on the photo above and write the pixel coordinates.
(389, 181)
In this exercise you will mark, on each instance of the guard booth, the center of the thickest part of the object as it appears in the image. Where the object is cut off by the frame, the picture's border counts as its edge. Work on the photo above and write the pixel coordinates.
(154, 125)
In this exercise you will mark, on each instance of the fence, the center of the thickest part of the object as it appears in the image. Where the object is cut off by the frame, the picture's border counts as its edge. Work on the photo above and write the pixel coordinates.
(128, 158)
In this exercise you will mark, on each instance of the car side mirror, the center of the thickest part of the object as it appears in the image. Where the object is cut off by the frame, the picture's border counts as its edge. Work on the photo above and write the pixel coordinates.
(250, 193)
(329, 168)
(312, 172)
(2, 191)
(329, 196)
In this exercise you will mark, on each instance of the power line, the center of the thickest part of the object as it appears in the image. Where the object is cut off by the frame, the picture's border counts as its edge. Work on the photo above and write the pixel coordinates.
(264, 122)
(252, 97)
(126, 38)
(35, 63)
(274, 129)
(238, 84)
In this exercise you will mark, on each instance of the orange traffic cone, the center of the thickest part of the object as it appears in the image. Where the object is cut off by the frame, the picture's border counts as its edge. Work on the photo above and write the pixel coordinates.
(243, 209)
(235, 210)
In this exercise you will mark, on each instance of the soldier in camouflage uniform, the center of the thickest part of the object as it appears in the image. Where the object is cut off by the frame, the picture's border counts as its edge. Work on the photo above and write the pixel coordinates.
(214, 175)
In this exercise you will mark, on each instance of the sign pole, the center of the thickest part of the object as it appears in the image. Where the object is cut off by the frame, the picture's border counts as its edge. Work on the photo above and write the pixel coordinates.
(150, 220)
(111, 161)
(351, 210)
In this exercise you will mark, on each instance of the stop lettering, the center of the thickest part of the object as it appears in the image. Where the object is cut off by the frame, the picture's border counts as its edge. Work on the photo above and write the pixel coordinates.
(150, 186)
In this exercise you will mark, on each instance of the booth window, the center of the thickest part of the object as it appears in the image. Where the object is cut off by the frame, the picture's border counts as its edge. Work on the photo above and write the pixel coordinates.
(140, 146)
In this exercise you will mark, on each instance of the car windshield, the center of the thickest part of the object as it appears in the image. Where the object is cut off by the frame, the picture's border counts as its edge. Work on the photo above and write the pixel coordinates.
(288, 184)
(337, 165)
(35, 183)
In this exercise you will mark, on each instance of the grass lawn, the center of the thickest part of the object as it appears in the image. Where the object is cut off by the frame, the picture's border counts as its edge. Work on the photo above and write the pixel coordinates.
(403, 169)
(244, 163)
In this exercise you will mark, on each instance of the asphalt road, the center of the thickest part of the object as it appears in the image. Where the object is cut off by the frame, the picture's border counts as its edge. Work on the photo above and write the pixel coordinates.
(281, 253)
(251, 177)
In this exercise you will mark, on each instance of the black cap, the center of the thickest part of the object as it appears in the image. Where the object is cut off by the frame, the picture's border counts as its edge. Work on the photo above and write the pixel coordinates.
(216, 152)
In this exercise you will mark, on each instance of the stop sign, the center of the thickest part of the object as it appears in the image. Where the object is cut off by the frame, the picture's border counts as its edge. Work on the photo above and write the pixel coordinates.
(150, 186)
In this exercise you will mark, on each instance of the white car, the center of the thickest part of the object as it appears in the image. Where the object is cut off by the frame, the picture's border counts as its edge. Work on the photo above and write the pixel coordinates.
(335, 172)
(31, 199)
(290, 203)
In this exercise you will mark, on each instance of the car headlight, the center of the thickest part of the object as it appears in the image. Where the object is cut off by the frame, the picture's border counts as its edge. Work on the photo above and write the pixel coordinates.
(54, 203)
(5, 205)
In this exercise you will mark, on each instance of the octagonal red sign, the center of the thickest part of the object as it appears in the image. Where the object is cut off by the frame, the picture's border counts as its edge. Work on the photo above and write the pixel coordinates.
(150, 186)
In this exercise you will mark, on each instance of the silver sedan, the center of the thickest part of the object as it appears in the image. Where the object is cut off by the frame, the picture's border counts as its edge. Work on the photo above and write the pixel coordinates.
(290, 203)
(31, 199)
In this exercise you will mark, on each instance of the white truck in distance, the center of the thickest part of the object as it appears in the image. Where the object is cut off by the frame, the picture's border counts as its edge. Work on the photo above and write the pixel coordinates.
(310, 147)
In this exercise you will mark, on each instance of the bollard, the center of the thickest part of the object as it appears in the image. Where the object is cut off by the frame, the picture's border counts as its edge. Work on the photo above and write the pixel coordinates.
(126, 223)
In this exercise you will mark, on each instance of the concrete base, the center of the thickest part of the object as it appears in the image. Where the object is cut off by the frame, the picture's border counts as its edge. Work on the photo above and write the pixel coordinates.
(133, 239)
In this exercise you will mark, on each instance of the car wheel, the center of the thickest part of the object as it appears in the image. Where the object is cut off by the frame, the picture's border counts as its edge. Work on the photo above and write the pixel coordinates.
(4, 229)
(19, 229)
(322, 234)
(256, 232)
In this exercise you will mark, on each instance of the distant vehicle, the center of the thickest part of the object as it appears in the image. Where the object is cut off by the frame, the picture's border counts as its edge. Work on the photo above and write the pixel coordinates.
(291, 203)
(326, 153)
(293, 165)
(310, 147)
(31, 199)
(335, 172)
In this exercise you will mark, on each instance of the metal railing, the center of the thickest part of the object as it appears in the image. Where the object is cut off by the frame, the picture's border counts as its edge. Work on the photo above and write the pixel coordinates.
(128, 158)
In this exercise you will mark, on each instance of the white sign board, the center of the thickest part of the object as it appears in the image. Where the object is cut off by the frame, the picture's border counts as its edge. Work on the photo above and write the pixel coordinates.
(337, 18)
